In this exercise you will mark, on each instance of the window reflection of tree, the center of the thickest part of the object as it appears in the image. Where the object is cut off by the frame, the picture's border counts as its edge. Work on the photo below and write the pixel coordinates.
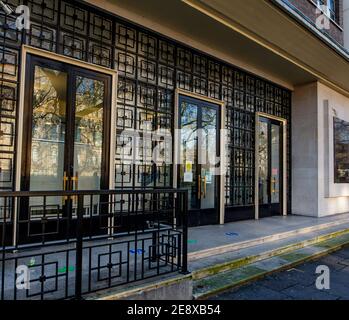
(89, 124)
(188, 130)
(48, 120)
(189, 136)
(263, 151)
(49, 102)
(263, 160)
(209, 124)
(341, 145)
(190, 125)
(89, 104)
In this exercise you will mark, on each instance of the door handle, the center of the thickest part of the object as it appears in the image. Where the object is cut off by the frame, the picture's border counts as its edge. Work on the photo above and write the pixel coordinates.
(75, 180)
(65, 182)
(205, 186)
(272, 185)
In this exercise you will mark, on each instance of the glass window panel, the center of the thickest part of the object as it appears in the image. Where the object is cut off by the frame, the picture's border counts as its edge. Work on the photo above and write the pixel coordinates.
(263, 162)
(209, 151)
(88, 138)
(332, 9)
(48, 129)
(48, 137)
(275, 163)
(188, 151)
(341, 151)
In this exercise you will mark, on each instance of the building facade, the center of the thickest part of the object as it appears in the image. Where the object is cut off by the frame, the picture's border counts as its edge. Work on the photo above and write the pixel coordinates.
(86, 72)
(333, 9)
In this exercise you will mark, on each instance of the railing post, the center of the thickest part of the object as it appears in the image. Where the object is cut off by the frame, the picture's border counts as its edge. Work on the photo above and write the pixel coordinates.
(154, 242)
(15, 219)
(79, 247)
(155, 234)
(185, 232)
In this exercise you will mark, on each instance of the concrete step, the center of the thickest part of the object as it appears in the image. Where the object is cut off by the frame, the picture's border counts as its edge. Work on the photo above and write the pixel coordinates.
(240, 272)
(240, 245)
(222, 262)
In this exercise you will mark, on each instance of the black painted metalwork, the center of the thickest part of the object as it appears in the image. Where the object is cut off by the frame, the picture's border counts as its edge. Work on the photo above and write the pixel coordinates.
(144, 234)
(150, 68)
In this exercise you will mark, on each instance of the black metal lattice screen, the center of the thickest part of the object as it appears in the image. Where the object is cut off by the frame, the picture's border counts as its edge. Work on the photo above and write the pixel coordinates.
(150, 68)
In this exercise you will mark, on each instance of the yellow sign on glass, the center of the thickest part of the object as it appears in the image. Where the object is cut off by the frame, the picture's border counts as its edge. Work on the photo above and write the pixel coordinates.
(188, 166)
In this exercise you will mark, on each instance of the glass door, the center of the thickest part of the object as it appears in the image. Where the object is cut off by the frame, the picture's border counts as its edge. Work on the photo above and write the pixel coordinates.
(87, 164)
(199, 151)
(65, 145)
(270, 167)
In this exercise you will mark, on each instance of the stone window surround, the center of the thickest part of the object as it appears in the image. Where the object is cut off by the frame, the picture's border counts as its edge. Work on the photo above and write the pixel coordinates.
(332, 189)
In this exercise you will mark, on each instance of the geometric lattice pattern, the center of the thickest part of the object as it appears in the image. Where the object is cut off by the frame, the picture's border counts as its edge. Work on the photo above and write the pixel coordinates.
(150, 68)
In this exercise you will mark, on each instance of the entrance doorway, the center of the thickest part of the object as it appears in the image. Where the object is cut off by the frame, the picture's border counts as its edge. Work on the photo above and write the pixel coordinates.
(199, 124)
(66, 145)
(270, 166)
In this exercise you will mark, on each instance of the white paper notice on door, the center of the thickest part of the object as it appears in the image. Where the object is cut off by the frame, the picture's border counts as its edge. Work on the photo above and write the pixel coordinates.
(208, 177)
(188, 177)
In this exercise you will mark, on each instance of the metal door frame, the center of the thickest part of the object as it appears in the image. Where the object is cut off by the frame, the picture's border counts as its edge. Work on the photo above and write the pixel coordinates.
(28, 50)
(176, 139)
(284, 162)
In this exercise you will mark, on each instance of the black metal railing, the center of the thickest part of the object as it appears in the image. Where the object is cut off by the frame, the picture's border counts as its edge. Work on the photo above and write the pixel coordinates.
(66, 244)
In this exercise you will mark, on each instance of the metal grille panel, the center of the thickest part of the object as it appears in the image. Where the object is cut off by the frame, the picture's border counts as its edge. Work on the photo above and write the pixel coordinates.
(150, 68)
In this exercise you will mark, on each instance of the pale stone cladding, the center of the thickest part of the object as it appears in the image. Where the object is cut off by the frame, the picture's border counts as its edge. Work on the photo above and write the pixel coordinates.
(314, 192)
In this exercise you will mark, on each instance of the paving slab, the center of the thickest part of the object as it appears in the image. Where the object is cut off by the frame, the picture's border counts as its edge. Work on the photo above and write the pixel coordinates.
(302, 277)
(342, 254)
(278, 283)
(254, 292)
(333, 263)
(299, 292)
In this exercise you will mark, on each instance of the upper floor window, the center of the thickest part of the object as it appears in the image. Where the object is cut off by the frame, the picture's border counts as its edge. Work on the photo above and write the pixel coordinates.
(331, 8)
(331, 4)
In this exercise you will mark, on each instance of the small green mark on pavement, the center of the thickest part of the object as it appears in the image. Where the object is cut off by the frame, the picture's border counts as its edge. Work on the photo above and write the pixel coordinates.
(64, 269)
(32, 262)
(191, 241)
